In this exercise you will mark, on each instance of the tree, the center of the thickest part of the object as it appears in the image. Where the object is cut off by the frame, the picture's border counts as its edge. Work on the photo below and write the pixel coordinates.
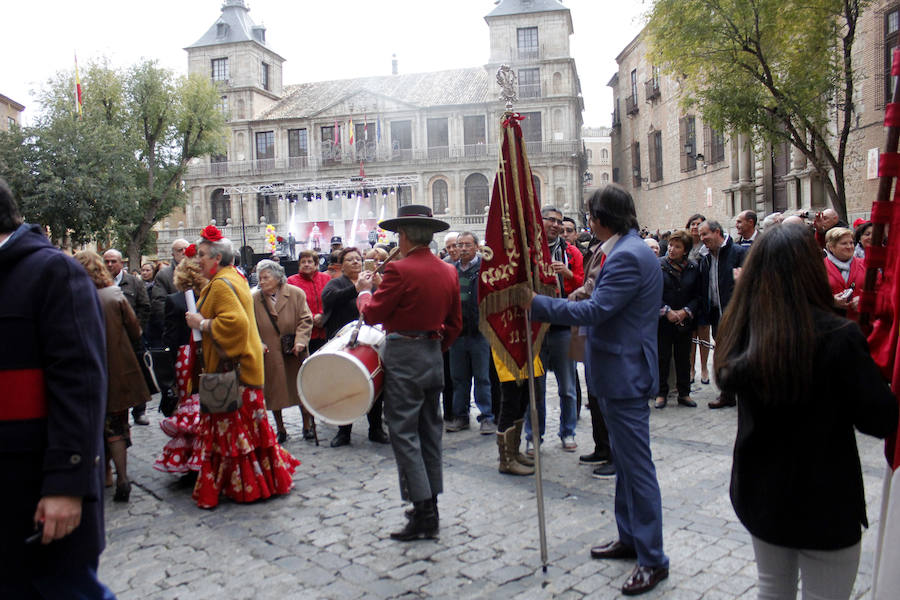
(779, 69)
(118, 170)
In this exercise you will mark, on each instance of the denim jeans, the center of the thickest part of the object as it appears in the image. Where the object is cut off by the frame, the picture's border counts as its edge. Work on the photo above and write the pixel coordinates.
(470, 357)
(555, 357)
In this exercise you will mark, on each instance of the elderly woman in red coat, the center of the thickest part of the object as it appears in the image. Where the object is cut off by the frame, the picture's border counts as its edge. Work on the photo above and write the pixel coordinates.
(846, 273)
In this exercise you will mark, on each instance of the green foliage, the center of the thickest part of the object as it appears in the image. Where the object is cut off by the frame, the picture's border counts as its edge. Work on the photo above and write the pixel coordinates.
(778, 69)
(114, 173)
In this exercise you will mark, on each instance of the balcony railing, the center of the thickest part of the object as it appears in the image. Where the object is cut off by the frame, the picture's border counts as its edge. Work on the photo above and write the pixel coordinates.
(651, 88)
(335, 158)
(631, 107)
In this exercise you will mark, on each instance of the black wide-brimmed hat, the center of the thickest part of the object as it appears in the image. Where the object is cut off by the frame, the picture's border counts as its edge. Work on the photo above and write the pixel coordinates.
(414, 214)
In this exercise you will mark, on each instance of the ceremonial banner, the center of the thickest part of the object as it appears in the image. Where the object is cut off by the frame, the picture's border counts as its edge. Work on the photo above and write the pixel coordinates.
(79, 103)
(521, 258)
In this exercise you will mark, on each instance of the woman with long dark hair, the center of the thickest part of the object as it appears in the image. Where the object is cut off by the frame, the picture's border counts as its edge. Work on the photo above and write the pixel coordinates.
(804, 380)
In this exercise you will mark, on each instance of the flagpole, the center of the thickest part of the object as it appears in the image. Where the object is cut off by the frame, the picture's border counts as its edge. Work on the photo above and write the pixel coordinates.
(506, 78)
(536, 434)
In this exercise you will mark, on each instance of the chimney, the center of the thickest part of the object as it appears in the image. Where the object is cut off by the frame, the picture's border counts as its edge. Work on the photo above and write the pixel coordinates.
(394, 70)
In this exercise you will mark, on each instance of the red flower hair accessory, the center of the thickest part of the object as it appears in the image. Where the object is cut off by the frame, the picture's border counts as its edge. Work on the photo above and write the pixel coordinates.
(190, 251)
(211, 233)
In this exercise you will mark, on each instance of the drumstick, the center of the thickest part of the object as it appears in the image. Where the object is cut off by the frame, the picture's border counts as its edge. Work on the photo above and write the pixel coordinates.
(355, 334)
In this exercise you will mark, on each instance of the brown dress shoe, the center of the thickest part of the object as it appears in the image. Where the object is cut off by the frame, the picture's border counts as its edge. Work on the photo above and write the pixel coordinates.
(614, 549)
(643, 579)
(723, 401)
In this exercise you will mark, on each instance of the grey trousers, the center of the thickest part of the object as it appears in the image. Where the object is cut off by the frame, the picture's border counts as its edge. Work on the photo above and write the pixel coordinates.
(825, 574)
(413, 379)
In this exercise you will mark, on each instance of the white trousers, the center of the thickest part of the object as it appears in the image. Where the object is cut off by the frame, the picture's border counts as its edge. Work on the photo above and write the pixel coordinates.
(825, 574)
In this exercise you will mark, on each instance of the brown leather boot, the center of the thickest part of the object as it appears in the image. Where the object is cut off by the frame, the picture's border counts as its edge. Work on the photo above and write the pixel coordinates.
(508, 462)
(523, 459)
(422, 524)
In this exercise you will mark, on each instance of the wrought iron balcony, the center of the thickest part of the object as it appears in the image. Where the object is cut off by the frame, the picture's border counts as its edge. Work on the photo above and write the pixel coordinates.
(651, 88)
(631, 107)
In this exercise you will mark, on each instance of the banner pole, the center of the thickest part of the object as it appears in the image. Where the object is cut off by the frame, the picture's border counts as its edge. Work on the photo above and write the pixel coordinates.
(536, 435)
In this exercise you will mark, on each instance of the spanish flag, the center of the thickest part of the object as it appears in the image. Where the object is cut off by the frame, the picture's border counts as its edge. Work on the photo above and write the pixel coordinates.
(351, 131)
(78, 101)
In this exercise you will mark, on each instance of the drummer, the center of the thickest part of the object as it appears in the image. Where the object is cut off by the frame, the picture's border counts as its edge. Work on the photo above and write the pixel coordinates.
(339, 303)
(417, 300)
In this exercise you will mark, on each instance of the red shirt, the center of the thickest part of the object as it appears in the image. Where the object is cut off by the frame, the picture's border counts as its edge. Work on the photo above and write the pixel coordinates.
(576, 265)
(312, 287)
(417, 293)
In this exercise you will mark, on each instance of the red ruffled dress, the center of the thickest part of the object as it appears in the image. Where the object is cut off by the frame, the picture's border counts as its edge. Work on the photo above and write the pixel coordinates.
(182, 453)
(235, 453)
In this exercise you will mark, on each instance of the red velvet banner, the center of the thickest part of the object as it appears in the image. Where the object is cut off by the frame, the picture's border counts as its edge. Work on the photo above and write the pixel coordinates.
(521, 258)
(889, 164)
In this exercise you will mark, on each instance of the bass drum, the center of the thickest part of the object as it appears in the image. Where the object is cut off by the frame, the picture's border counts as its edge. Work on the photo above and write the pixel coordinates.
(339, 383)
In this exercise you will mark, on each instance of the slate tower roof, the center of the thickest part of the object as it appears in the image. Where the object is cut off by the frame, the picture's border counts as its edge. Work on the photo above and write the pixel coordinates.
(233, 25)
(516, 7)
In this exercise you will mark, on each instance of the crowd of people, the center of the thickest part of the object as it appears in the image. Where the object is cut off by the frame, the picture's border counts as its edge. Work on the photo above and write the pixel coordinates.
(777, 306)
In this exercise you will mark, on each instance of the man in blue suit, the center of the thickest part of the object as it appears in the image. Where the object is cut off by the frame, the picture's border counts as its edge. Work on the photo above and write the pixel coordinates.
(621, 318)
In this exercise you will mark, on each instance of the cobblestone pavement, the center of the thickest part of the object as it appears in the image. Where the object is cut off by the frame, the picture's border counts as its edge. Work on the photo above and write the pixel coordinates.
(328, 538)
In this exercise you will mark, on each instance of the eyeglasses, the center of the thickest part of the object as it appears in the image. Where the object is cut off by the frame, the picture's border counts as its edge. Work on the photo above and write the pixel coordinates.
(554, 220)
(465, 245)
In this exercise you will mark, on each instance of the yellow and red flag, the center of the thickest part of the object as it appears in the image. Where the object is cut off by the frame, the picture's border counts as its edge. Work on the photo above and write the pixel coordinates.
(351, 132)
(79, 110)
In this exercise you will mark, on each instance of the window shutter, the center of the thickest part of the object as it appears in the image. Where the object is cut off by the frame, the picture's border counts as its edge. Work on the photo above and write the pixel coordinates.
(682, 139)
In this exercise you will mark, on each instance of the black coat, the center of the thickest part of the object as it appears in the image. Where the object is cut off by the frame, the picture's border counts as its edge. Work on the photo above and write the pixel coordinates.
(731, 256)
(796, 480)
(339, 304)
(681, 292)
(52, 322)
(136, 293)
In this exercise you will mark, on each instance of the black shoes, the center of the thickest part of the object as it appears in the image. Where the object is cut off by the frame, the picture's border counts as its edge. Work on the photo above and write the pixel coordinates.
(422, 524)
(604, 471)
(615, 549)
(686, 401)
(594, 458)
(123, 492)
(141, 419)
(379, 436)
(341, 439)
(309, 434)
(282, 437)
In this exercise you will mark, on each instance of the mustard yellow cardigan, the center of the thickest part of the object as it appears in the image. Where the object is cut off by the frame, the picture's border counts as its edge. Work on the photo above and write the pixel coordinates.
(232, 324)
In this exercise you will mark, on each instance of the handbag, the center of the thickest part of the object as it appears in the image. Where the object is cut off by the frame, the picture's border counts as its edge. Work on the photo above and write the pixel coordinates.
(288, 340)
(220, 392)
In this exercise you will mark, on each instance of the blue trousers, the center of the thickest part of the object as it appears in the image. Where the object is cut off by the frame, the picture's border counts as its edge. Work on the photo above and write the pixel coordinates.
(638, 504)
(555, 357)
(470, 357)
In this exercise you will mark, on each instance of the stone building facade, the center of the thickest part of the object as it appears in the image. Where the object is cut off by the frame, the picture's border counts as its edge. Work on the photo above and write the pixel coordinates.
(10, 113)
(675, 165)
(598, 158)
(334, 157)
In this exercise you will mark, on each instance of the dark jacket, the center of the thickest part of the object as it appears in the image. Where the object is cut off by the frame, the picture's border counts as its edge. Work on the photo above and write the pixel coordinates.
(136, 293)
(176, 333)
(468, 294)
(796, 480)
(163, 285)
(731, 256)
(53, 328)
(339, 304)
(681, 290)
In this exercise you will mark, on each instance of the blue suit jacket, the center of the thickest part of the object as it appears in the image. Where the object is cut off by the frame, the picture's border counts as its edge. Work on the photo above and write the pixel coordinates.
(621, 315)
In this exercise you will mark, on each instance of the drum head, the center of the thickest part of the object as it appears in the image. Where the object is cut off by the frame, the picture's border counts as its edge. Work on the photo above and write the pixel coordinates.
(335, 387)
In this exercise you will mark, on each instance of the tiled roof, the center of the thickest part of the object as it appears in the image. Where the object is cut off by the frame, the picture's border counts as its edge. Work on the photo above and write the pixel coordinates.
(438, 88)
(238, 27)
(517, 7)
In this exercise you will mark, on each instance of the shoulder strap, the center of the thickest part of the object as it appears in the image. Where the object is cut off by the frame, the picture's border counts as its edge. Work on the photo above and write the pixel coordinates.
(271, 318)
(219, 349)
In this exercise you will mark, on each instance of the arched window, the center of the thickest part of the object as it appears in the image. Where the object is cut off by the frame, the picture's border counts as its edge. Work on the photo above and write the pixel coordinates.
(604, 154)
(557, 83)
(439, 197)
(477, 196)
(537, 187)
(220, 207)
(605, 178)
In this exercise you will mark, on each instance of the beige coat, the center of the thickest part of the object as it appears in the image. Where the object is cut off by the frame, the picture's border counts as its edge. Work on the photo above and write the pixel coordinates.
(293, 316)
(127, 387)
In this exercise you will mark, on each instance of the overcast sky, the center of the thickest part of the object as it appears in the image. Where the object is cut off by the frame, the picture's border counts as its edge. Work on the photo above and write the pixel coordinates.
(320, 40)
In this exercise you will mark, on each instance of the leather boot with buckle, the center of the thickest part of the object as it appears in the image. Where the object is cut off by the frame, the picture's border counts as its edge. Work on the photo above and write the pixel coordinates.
(508, 462)
(423, 524)
(528, 461)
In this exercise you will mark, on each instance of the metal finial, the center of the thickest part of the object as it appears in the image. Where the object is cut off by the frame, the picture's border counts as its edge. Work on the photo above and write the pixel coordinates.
(507, 79)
